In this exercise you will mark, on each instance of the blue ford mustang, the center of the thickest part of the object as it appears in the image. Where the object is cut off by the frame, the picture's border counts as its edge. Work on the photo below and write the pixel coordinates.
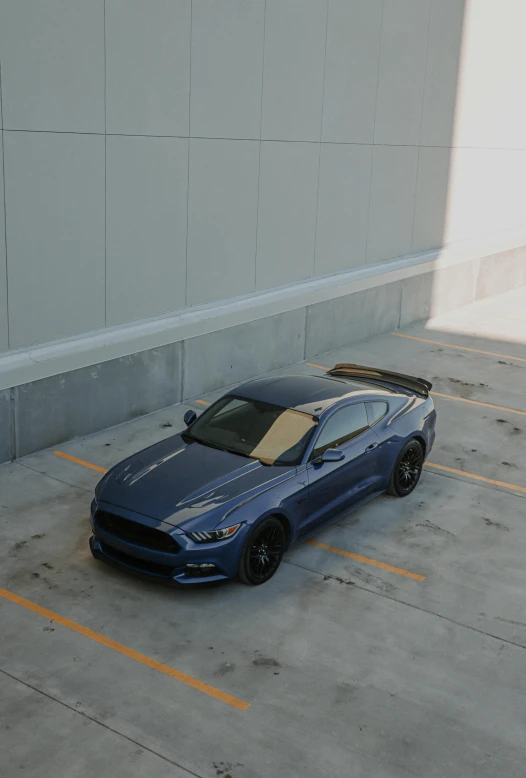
(261, 469)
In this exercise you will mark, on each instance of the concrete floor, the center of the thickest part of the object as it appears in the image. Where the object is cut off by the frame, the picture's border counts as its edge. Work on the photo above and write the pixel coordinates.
(349, 669)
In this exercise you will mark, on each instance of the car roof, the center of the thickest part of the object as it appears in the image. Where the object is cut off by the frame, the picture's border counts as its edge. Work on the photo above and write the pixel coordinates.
(306, 393)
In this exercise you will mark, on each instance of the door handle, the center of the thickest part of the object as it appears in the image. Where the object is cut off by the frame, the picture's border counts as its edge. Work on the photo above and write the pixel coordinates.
(371, 447)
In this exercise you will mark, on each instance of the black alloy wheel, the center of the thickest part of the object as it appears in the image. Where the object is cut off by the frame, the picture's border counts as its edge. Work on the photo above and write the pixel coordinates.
(262, 552)
(407, 470)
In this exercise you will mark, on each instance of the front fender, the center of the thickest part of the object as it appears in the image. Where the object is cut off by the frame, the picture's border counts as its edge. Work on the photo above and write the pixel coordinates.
(278, 499)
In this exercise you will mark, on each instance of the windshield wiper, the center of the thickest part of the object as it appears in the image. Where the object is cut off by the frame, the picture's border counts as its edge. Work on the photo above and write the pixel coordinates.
(216, 445)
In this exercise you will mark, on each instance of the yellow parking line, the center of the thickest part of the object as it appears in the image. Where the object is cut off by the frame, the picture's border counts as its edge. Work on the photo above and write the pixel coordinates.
(367, 561)
(460, 348)
(476, 402)
(320, 367)
(120, 648)
(203, 402)
(514, 487)
(82, 462)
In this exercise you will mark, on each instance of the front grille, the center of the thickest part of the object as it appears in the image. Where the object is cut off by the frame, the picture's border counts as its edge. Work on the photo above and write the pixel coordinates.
(139, 534)
(152, 568)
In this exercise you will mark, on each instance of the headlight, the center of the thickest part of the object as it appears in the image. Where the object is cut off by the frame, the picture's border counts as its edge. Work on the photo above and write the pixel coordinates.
(214, 534)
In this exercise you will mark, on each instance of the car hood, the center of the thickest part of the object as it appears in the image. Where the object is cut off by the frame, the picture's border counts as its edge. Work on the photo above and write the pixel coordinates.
(175, 481)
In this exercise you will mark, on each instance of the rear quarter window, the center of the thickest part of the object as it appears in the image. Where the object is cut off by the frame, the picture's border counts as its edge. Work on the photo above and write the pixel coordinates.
(376, 411)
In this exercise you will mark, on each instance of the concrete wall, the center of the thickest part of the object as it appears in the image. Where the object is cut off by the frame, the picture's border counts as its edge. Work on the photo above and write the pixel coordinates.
(161, 156)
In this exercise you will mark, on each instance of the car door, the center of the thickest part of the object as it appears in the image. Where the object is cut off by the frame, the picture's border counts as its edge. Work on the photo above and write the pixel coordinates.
(334, 486)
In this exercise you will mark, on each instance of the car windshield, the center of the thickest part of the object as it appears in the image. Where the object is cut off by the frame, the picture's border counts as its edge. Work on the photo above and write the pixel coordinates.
(270, 433)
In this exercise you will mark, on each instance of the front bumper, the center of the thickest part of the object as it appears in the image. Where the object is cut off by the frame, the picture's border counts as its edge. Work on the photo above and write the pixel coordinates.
(167, 567)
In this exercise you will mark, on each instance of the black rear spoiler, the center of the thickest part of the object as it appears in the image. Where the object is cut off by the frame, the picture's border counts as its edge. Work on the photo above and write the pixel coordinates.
(348, 370)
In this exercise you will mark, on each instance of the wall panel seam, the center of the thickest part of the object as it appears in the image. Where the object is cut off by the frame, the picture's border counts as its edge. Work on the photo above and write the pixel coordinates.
(259, 149)
(105, 184)
(319, 147)
(420, 127)
(374, 132)
(188, 166)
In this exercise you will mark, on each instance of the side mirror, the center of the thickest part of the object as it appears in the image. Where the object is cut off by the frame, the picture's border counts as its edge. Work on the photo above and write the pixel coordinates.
(332, 455)
(189, 417)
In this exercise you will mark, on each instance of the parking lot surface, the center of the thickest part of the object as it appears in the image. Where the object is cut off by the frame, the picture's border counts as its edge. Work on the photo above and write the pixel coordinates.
(392, 645)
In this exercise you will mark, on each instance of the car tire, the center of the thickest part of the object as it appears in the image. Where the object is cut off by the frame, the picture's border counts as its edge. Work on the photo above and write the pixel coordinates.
(407, 469)
(262, 553)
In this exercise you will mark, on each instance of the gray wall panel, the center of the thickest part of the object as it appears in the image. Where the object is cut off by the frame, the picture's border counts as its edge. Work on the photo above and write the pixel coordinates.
(446, 28)
(53, 64)
(431, 198)
(391, 210)
(287, 213)
(417, 293)
(222, 219)
(146, 180)
(402, 71)
(55, 234)
(351, 70)
(343, 207)
(355, 317)
(4, 340)
(295, 34)
(96, 397)
(6, 433)
(501, 272)
(434, 293)
(226, 95)
(238, 353)
(148, 66)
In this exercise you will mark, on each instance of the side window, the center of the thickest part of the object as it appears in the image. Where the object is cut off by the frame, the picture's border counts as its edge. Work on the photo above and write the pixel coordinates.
(343, 425)
(376, 411)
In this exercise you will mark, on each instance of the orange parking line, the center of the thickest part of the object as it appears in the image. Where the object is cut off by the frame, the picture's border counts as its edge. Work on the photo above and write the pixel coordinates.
(203, 402)
(460, 348)
(320, 367)
(367, 561)
(82, 462)
(514, 487)
(476, 402)
(120, 648)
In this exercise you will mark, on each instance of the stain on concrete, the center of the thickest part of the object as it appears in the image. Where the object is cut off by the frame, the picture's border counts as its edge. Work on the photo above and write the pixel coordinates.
(496, 524)
(225, 769)
(508, 464)
(225, 668)
(263, 661)
(510, 621)
(463, 383)
(374, 581)
(435, 528)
